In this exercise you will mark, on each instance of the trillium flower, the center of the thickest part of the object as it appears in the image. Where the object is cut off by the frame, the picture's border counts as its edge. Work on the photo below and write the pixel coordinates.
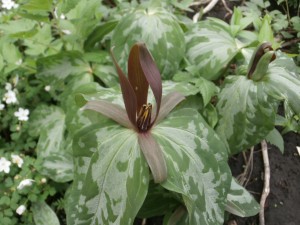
(21, 209)
(4, 165)
(140, 115)
(25, 183)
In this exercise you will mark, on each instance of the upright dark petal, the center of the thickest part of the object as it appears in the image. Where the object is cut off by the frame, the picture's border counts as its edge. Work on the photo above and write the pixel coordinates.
(128, 93)
(152, 75)
(137, 77)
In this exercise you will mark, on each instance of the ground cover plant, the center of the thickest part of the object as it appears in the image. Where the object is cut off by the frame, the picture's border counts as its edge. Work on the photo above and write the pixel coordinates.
(113, 111)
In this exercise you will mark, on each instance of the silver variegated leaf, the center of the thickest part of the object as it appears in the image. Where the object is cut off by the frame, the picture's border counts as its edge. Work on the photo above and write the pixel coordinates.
(211, 46)
(195, 169)
(240, 202)
(111, 176)
(159, 30)
(52, 148)
(43, 214)
(247, 113)
(285, 85)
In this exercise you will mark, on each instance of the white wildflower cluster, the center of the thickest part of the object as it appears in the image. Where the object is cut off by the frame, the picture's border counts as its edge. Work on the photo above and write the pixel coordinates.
(10, 97)
(9, 4)
(5, 164)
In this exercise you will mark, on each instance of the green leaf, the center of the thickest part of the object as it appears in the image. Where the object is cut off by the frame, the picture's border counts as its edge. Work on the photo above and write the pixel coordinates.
(41, 7)
(67, 5)
(275, 138)
(285, 85)
(43, 214)
(179, 217)
(111, 176)
(211, 46)
(247, 112)
(98, 33)
(207, 89)
(17, 27)
(56, 68)
(158, 202)
(161, 33)
(196, 162)
(52, 149)
(240, 202)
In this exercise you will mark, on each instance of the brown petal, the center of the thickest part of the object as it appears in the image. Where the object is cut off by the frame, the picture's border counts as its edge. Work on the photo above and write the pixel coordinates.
(152, 75)
(168, 103)
(127, 92)
(111, 111)
(154, 156)
(137, 77)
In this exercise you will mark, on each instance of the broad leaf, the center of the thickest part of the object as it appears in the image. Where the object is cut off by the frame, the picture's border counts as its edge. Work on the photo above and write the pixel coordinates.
(285, 85)
(161, 33)
(211, 46)
(43, 214)
(41, 7)
(275, 138)
(195, 169)
(49, 124)
(158, 202)
(240, 202)
(111, 177)
(56, 68)
(247, 113)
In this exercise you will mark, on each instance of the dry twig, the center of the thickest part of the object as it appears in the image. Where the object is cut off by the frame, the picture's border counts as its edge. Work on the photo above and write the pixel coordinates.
(244, 178)
(205, 10)
(266, 189)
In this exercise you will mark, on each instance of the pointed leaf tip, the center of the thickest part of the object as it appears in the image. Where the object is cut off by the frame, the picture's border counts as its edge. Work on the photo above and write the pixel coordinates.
(154, 156)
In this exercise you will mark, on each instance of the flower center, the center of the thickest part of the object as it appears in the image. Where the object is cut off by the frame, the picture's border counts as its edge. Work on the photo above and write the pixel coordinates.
(144, 117)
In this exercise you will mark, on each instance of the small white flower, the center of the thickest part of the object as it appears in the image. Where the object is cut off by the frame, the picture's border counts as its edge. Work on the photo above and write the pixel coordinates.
(22, 114)
(9, 4)
(17, 160)
(25, 183)
(47, 88)
(62, 16)
(8, 86)
(10, 97)
(19, 62)
(4, 165)
(2, 106)
(21, 209)
(43, 180)
(67, 32)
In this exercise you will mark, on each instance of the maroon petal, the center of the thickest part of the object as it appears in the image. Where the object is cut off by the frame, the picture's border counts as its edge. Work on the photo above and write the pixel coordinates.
(127, 92)
(111, 111)
(168, 103)
(137, 77)
(154, 156)
(152, 75)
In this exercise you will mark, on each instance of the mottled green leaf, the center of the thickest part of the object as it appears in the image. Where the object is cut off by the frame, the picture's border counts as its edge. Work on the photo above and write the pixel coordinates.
(285, 85)
(275, 138)
(247, 112)
(48, 122)
(159, 30)
(111, 176)
(240, 202)
(211, 46)
(43, 214)
(196, 162)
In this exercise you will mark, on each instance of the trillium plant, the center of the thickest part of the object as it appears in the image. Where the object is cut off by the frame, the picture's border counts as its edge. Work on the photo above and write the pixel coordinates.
(142, 73)
(113, 157)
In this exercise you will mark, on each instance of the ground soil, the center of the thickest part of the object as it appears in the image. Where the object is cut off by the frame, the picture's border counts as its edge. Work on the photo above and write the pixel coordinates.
(283, 203)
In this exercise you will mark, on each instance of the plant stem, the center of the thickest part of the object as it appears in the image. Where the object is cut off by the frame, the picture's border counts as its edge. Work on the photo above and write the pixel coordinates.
(266, 189)
(288, 11)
